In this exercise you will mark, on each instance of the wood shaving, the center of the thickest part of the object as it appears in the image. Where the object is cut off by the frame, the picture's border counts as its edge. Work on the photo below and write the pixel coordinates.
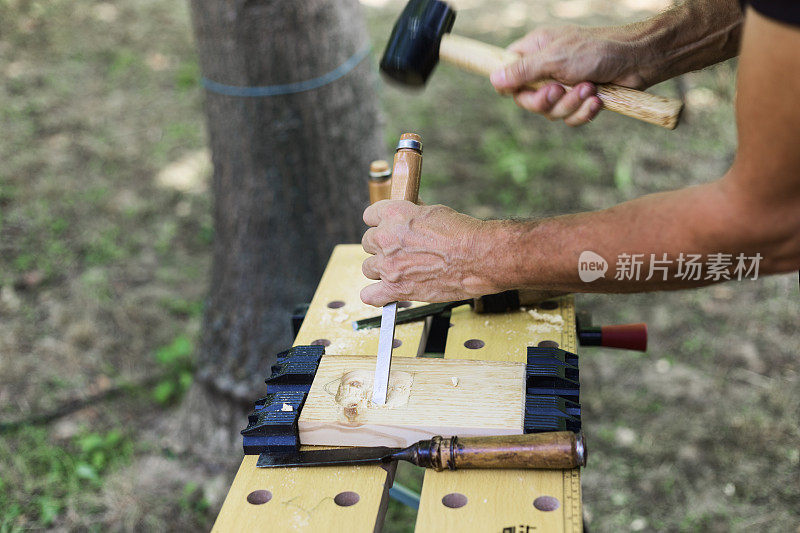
(287, 407)
(545, 322)
(556, 320)
(543, 328)
(454, 380)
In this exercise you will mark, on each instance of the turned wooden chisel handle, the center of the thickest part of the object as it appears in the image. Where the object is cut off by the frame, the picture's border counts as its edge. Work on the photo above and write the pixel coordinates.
(551, 450)
(483, 58)
(380, 181)
(407, 168)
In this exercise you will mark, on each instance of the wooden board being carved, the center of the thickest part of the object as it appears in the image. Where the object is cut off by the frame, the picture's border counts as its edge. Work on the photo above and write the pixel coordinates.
(426, 397)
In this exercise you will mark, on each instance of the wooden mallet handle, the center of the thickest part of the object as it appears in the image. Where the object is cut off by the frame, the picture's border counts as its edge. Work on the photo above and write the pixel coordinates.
(482, 58)
(407, 168)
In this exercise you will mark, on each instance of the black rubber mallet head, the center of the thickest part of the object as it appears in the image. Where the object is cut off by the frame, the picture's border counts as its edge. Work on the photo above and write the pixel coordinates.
(413, 48)
(422, 35)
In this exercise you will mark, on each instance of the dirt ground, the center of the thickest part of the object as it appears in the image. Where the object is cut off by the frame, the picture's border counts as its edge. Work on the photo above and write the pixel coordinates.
(105, 233)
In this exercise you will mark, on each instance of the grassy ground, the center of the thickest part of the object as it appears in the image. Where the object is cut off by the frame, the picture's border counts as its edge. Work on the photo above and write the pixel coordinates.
(104, 249)
(103, 256)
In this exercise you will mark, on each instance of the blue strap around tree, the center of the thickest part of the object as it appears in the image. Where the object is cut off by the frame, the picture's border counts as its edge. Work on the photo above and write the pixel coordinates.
(288, 88)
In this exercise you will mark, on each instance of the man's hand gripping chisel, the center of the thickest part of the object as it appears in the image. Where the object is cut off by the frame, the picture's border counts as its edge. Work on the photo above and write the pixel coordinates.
(406, 172)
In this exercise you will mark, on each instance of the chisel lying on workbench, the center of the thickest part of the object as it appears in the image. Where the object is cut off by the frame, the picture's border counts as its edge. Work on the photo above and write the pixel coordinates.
(551, 450)
(491, 303)
(623, 336)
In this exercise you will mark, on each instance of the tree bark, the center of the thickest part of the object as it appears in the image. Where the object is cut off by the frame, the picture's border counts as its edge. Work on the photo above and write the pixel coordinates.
(289, 180)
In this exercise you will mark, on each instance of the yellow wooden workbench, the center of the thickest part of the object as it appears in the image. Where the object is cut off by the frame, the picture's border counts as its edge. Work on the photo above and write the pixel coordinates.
(354, 499)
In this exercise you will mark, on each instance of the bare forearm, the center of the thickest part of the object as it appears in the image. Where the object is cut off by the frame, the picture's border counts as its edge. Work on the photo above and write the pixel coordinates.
(687, 37)
(753, 209)
(703, 220)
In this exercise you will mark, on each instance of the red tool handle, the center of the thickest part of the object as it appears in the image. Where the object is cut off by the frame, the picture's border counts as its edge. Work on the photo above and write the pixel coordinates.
(625, 336)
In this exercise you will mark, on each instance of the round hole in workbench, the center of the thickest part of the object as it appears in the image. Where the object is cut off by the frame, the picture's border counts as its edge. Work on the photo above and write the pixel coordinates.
(454, 500)
(548, 344)
(549, 304)
(336, 304)
(346, 499)
(474, 344)
(396, 343)
(403, 305)
(546, 503)
(259, 497)
(321, 342)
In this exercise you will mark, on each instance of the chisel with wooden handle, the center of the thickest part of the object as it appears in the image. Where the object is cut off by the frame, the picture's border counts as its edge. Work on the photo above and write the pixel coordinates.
(406, 171)
(551, 450)
(380, 181)
(491, 303)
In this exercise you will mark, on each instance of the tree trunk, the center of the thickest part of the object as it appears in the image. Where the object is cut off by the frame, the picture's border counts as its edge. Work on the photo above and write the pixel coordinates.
(289, 183)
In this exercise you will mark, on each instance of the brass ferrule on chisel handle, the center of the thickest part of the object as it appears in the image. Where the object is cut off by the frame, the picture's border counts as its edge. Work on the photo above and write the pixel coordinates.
(551, 450)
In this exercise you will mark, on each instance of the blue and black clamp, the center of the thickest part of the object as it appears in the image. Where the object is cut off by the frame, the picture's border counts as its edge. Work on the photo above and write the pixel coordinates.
(272, 426)
(295, 369)
(552, 384)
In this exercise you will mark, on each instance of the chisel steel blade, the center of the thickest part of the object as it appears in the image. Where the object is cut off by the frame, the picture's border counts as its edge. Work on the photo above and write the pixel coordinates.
(345, 456)
(384, 361)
